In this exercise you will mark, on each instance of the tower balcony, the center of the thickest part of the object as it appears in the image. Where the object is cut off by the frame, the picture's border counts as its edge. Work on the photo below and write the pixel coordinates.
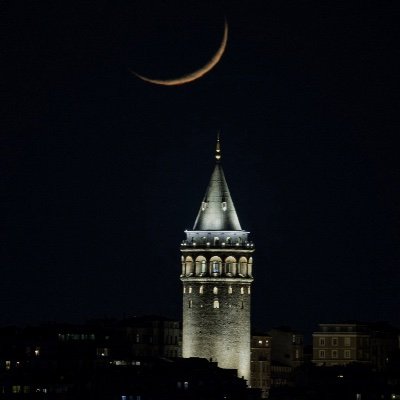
(245, 245)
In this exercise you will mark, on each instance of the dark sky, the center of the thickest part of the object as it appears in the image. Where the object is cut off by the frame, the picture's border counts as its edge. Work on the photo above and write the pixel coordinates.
(102, 172)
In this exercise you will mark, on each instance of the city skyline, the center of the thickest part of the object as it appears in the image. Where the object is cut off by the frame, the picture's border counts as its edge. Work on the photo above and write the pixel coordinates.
(103, 172)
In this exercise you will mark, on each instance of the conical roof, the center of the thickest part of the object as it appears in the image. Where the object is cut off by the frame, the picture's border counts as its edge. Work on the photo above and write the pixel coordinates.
(217, 212)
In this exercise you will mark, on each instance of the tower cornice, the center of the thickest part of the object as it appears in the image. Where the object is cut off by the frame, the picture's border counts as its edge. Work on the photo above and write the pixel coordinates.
(229, 250)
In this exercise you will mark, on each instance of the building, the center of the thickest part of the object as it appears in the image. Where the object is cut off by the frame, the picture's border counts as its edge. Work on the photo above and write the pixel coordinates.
(288, 346)
(354, 342)
(340, 344)
(261, 363)
(217, 275)
(109, 359)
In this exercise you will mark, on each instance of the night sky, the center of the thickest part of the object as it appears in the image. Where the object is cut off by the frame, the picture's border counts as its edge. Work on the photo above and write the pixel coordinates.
(101, 172)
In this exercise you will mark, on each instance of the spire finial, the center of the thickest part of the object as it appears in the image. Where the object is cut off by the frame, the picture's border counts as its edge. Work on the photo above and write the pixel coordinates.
(218, 149)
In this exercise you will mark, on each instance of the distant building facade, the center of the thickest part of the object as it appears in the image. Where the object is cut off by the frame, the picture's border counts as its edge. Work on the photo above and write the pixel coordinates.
(261, 363)
(346, 343)
(216, 275)
(288, 346)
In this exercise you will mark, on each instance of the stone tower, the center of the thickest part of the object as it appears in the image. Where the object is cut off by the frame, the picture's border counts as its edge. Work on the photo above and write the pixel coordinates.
(217, 275)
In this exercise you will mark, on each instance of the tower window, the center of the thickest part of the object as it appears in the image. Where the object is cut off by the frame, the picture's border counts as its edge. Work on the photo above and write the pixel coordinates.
(215, 290)
(190, 304)
(248, 290)
(242, 305)
(203, 267)
(190, 289)
(216, 304)
(223, 205)
(230, 289)
(215, 267)
(184, 289)
(241, 290)
(201, 290)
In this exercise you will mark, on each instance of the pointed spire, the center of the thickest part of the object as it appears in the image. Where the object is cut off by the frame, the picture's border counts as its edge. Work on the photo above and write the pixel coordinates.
(217, 211)
(218, 149)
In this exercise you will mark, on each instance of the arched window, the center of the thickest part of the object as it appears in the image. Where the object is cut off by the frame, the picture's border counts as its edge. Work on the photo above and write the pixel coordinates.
(250, 267)
(215, 264)
(189, 266)
(230, 266)
(215, 267)
(243, 266)
(216, 304)
(183, 266)
(230, 289)
(201, 266)
(201, 290)
(216, 241)
(241, 290)
(215, 290)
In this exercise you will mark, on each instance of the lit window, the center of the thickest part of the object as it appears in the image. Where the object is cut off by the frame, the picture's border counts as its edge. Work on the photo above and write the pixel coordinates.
(37, 351)
(215, 290)
(184, 289)
(248, 290)
(103, 352)
(216, 304)
(230, 289)
(201, 290)
(215, 267)
(242, 290)
(322, 354)
(260, 341)
(16, 389)
(224, 207)
(203, 266)
(190, 289)
(322, 341)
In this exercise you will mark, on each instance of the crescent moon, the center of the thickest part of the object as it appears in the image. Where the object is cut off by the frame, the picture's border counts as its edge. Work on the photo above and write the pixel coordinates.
(195, 74)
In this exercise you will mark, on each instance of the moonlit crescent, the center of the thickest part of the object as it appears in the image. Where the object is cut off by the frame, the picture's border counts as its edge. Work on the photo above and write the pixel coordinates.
(195, 74)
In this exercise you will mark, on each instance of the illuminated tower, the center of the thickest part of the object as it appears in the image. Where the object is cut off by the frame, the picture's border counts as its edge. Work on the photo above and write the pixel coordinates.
(217, 275)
